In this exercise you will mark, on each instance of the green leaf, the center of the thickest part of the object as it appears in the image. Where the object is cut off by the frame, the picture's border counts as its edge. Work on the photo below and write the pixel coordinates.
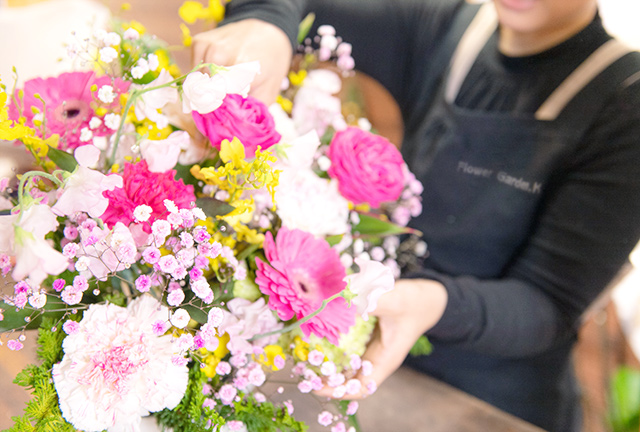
(352, 420)
(371, 225)
(421, 347)
(63, 159)
(305, 27)
(15, 319)
(334, 239)
(624, 400)
(214, 207)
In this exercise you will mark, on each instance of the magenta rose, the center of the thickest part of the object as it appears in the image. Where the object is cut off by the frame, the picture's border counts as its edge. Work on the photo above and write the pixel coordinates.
(248, 119)
(367, 166)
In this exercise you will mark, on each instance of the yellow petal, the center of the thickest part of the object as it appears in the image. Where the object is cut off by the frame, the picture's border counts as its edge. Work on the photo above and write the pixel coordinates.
(186, 35)
(190, 11)
(232, 152)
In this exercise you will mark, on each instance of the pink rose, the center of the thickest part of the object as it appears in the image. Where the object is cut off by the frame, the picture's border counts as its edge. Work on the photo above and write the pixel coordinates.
(367, 166)
(248, 119)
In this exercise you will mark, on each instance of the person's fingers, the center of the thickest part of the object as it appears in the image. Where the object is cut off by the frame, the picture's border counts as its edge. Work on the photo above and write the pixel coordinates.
(198, 51)
(386, 351)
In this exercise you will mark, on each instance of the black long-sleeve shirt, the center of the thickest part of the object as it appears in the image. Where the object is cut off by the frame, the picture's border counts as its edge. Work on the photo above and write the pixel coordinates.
(526, 304)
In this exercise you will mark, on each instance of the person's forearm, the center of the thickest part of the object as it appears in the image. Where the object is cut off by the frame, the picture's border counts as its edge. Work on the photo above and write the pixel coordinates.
(505, 317)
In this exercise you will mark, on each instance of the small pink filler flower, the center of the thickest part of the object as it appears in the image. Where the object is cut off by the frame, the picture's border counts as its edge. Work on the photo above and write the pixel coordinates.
(369, 169)
(301, 273)
(142, 186)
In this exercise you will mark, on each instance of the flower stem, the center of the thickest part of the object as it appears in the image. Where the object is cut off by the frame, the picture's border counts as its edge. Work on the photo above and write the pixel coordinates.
(135, 93)
(298, 323)
(26, 176)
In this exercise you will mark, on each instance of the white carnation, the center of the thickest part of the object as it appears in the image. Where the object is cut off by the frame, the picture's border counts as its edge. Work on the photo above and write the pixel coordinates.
(115, 370)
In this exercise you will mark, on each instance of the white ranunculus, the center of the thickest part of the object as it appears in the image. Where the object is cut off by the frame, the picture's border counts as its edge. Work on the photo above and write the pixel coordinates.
(315, 107)
(310, 203)
(115, 370)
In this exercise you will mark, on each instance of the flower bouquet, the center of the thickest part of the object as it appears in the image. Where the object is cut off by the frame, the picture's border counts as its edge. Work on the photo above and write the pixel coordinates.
(180, 241)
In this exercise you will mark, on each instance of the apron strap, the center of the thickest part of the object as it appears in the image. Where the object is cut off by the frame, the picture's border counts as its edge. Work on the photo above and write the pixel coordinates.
(482, 28)
(607, 54)
(475, 37)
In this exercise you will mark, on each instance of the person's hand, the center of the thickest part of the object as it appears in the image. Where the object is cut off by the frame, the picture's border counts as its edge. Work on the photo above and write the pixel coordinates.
(244, 41)
(404, 314)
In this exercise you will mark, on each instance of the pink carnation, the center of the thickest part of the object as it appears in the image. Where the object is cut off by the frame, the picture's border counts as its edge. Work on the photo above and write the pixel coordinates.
(369, 169)
(69, 104)
(142, 186)
(248, 119)
(301, 273)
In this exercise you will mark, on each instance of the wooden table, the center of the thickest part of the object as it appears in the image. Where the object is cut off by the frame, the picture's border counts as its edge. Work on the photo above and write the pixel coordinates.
(408, 402)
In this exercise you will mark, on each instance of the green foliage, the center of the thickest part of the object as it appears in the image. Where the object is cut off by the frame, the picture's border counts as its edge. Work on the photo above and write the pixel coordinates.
(370, 225)
(305, 27)
(265, 417)
(352, 420)
(213, 207)
(624, 400)
(421, 347)
(189, 415)
(115, 297)
(15, 319)
(50, 343)
(62, 159)
(42, 413)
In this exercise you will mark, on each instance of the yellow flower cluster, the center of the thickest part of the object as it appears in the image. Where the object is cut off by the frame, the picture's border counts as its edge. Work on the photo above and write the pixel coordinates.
(237, 175)
(192, 11)
(16, 130)
(210, 359)
(271, 352)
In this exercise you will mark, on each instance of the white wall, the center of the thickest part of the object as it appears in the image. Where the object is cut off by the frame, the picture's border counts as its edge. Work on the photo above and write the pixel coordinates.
(622, 19)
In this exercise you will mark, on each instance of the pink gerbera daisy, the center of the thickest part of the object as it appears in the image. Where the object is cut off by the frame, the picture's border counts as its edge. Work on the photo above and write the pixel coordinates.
(301, 273)
(69, 105)
(141, 186)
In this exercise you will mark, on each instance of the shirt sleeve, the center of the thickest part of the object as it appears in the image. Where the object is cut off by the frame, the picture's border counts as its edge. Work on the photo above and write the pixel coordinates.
(584, 234)
(285, 14)
(390, 39)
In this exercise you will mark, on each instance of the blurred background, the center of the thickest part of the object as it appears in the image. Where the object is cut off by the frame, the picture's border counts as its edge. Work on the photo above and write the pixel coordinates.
(32, 37)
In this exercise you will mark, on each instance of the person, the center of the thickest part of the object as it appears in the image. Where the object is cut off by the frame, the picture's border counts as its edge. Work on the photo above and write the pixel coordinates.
(522, 120)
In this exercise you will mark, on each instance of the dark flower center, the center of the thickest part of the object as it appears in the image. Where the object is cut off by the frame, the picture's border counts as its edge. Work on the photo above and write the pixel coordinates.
(73, 111)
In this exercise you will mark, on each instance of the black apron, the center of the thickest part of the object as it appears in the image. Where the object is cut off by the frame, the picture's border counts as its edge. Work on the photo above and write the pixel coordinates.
(486, 174)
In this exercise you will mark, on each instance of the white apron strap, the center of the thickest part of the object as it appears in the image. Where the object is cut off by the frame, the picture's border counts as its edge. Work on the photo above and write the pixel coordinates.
(478, 33)
(480, 29)
(598, 61)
